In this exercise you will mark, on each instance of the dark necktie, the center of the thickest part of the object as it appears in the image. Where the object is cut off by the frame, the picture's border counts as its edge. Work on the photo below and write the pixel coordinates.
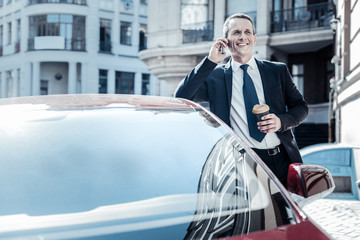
(250, 98)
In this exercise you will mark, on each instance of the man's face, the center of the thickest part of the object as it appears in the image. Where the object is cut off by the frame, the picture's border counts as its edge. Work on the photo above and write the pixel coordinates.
(241, 39)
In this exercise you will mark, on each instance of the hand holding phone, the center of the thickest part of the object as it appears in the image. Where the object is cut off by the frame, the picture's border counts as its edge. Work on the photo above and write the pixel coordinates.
(217, 52)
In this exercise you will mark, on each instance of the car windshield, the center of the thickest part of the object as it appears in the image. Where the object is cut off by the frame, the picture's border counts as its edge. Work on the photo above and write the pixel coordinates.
(130, 173)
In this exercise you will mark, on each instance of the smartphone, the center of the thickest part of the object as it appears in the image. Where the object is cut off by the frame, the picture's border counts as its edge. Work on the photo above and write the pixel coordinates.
(221, 49)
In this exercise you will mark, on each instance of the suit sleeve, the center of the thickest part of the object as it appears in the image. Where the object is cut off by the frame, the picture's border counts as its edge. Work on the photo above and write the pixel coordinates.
(297, 108)
(193, 86)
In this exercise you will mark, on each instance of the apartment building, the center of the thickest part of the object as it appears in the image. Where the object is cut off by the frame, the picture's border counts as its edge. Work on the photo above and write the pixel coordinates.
(73, 46)
(296, 32)
(345, 89)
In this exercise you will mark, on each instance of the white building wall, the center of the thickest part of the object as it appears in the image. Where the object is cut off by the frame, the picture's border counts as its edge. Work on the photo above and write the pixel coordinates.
(348, 81)
(350, 126)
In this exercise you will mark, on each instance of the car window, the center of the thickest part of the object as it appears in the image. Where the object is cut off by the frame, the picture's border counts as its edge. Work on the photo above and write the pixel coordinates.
(108, 174)
(236, 196)
(341, 156)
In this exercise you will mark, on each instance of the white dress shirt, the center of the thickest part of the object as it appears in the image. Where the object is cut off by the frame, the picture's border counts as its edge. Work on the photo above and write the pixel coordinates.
(238, 117)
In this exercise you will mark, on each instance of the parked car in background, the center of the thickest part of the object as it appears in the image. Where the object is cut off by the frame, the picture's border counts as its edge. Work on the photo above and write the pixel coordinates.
(136, 167)
(343, 162)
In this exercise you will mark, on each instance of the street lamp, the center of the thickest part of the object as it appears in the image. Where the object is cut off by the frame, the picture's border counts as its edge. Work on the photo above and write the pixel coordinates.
(334, 23)
(333, 82)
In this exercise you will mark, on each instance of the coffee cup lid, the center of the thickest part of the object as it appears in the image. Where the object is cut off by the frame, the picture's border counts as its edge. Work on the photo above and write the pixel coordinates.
(260, 108)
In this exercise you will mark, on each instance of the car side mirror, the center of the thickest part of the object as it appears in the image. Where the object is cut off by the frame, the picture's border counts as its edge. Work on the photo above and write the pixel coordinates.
(358, 183)
(309, 181)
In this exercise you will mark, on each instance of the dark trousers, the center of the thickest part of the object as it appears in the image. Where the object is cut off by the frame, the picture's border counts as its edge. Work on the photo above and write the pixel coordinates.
(278, 164)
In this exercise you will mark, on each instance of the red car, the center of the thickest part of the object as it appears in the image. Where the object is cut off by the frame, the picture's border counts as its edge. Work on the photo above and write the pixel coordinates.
(136, 167)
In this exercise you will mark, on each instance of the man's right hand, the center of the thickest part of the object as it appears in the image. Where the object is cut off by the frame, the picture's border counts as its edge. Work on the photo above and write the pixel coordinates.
(215, 54)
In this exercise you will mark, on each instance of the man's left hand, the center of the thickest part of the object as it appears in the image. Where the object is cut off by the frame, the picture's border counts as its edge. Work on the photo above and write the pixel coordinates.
(270, 123)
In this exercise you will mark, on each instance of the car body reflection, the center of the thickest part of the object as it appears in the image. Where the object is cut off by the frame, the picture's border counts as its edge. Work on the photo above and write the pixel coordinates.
(133, 167)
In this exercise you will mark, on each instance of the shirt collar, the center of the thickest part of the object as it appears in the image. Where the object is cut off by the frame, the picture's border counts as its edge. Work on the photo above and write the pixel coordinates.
(236, 65)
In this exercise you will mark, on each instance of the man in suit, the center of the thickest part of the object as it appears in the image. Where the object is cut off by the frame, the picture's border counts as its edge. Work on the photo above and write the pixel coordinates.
(230, 88)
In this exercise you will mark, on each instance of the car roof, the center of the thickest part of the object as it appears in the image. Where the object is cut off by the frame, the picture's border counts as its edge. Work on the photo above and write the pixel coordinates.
(100, 100)
(326, 146)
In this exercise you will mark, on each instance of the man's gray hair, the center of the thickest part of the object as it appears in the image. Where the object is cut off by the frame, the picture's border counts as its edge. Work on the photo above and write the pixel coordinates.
(236, 15)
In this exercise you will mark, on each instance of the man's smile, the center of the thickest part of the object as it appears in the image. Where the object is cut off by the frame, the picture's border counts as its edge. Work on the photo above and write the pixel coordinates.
(242, 44)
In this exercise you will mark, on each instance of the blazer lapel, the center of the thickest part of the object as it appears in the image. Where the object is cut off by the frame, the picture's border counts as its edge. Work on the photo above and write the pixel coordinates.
(265, 79)
(228, 81)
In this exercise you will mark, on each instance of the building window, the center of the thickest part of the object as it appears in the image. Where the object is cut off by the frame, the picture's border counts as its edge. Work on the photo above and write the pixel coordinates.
(124, 83)
(44, 87)
(79, 2)
(9, 34)
(78, 36)
(105, 35)
(142, 37)
(71, 27)
(197, 21)
(1, 38)
(103, 81)
(18, 82)
(298, 76)
(145, 84)
(9, 84)
(193, 12)
(18, 35)
(125, 33)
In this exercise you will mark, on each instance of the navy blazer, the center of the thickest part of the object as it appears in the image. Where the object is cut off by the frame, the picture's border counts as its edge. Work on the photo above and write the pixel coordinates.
(212, 83)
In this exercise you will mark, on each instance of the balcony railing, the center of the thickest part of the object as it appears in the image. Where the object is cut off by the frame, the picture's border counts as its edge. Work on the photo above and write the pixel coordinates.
(78, 2)
(311, 16)
(105, 47)
(198, 32)
(70, 44)
(75, 44)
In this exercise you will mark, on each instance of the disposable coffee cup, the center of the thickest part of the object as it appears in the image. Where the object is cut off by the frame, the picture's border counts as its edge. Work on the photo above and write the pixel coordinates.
(260, 110)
